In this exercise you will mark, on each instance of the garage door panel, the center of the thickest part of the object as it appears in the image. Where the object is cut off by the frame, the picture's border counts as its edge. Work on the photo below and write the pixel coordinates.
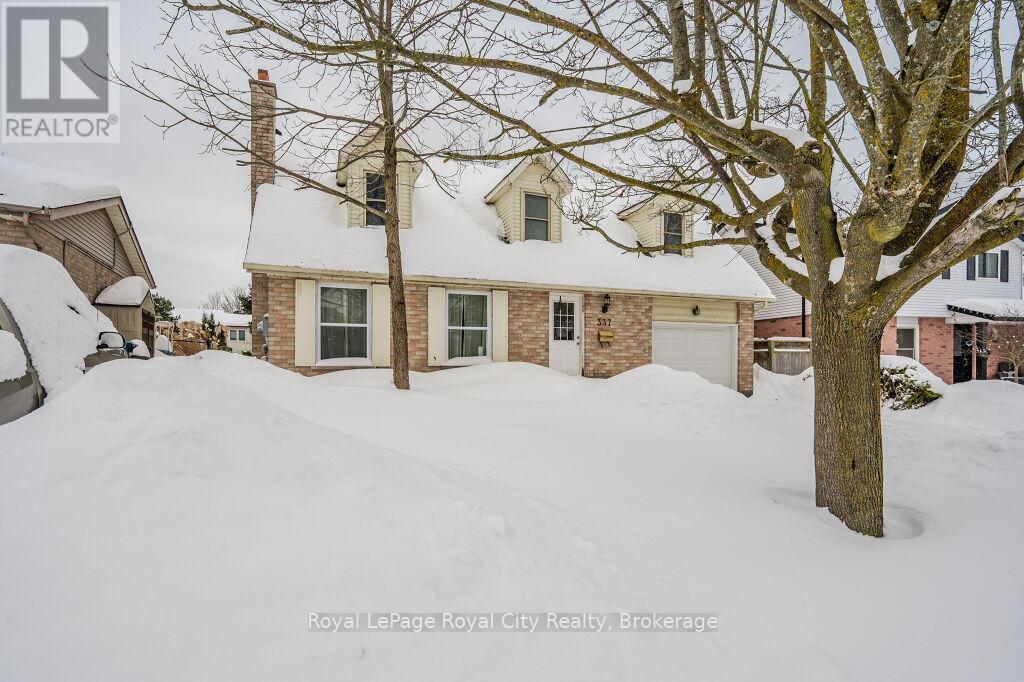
(708, 350)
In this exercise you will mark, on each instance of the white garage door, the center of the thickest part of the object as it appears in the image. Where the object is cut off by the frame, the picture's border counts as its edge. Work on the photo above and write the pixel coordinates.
(706, 349)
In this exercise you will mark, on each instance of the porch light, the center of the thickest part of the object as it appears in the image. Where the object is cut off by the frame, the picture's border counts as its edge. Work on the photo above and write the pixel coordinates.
(607, 303)
(696, 310)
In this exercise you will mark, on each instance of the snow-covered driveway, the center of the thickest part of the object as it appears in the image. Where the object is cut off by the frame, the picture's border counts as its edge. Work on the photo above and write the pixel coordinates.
(178, 519)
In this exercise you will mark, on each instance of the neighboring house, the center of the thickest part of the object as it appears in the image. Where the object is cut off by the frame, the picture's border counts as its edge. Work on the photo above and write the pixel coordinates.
(129, 305)
(85, 227)
(236, 327)
(495, 273)
(940, 326)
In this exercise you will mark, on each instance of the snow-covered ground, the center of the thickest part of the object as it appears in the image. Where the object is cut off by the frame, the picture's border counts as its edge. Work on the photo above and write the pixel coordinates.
(178, 519)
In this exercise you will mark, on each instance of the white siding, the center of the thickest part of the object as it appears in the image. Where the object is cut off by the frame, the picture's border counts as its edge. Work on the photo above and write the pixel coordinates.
(930, 301)
(787, 301)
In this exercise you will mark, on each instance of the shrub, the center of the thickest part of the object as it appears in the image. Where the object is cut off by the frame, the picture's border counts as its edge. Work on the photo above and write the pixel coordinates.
(902, 390)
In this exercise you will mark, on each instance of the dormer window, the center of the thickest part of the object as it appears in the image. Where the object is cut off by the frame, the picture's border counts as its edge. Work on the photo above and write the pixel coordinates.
(537, 217)
(672, 227)
(375, 198)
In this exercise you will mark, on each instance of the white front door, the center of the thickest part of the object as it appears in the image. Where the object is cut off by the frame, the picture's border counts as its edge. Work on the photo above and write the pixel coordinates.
(565, 333)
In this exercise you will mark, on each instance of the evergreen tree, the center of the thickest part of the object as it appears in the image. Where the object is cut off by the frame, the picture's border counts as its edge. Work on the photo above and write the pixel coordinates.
(164, 308)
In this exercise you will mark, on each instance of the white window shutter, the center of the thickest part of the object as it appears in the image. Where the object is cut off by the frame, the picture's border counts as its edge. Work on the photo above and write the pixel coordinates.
(380, 335)
(437, 326)
(305, 323)
(499, 325)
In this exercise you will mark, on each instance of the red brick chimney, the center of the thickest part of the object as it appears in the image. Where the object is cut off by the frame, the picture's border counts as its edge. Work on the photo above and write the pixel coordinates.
(262, 141)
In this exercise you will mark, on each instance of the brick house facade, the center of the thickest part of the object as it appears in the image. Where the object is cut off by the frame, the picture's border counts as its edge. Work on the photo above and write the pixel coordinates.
(608, 314)
(528, 330)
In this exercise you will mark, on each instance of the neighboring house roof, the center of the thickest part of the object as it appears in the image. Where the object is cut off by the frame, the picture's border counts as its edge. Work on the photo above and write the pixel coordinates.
(219, 316)
(995, 309)
(28, 188)
(457, 238)
(130, 291)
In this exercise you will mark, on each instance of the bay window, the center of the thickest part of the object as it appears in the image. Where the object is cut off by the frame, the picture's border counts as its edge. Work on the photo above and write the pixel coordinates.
(469, 318)
(344, 324)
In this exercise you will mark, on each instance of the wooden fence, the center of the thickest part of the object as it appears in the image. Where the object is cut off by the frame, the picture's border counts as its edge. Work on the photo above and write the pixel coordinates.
(783, 355)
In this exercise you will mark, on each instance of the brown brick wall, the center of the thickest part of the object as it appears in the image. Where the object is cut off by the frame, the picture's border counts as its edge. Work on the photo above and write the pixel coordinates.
(631, 324)
(745, 348)
(781, 326)
(935, 341)
(889, 338)
(528, 322)
(90, 275)
(416, 319)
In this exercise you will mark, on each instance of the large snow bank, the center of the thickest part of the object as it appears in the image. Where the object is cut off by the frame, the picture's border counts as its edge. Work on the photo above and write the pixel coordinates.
(59, 325)
(12, 357)
(31, 186)
(458, 237)
(179, 519)
(127, 291)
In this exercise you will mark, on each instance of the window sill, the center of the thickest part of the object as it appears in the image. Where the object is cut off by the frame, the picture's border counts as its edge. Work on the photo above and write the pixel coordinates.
(343, 362)
(466, 362)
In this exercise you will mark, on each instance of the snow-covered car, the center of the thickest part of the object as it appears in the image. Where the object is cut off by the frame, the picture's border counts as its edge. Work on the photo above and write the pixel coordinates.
(50, 334)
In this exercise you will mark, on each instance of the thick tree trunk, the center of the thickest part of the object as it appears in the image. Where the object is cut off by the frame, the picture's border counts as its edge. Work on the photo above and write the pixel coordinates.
(847, 421)
(392, 229)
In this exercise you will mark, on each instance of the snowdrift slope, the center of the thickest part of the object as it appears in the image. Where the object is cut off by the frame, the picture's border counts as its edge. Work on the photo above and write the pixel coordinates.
(179, 518)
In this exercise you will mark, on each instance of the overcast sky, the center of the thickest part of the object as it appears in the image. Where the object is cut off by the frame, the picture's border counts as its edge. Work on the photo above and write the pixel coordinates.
(190, 210)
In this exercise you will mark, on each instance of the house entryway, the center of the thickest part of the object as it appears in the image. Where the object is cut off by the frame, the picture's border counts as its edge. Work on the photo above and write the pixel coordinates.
(708, 350)
(963, 352)
(565, 314)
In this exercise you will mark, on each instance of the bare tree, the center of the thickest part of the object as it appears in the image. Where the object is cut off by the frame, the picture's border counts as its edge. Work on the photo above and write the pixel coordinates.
(235, 299)
(353, 95)
(857, 173)
(1008, 339)
(859, 149)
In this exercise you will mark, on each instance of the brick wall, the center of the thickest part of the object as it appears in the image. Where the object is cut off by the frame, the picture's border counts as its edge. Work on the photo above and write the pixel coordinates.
(889, 338)
(416, 319)
(528, 323)
(631, 323)
(935, 339)
(781, 326)
(745, 348)
(88, 274)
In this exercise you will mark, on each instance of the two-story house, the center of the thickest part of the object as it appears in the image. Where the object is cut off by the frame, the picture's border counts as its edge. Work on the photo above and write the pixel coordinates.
(941, 326)
(494, 273)
(85, 226)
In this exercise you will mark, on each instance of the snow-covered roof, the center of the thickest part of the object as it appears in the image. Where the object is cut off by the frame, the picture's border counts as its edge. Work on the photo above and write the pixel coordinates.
(457, 237)
(128, 291)
(221, 317)
(30, 186)
(990, 308)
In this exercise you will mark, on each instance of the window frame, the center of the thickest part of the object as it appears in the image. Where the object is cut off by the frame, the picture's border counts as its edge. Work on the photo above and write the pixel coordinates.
(232, 335)
(488, 330)
(682, 232)
(982, 272)
(547, 220)
(371, 202)
(917, 340)
(357, 361)
(241, 335)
